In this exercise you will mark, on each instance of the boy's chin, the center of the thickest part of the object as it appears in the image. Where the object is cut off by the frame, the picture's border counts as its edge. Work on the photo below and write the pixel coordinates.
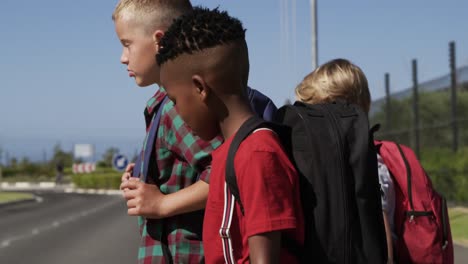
(143, 83)
(205, 136)
(204, 133)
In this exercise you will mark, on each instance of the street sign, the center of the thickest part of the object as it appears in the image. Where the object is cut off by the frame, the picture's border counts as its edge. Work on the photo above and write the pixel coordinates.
(83, 167)
(85, 151)
(120, 162)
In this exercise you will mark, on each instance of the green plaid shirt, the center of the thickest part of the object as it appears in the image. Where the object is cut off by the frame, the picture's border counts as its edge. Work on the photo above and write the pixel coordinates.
(181, 159)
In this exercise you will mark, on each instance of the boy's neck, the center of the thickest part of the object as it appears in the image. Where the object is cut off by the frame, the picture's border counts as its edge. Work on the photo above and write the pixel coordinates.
(239, 111)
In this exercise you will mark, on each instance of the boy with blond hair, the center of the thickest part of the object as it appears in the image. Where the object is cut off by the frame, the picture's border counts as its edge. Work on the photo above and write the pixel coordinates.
(180, 158)
(340, 79)
(170, 195)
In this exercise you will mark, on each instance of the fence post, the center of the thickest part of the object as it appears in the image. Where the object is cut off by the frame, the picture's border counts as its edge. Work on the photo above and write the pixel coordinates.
(453, 88)
(388, 114)
(416, 108)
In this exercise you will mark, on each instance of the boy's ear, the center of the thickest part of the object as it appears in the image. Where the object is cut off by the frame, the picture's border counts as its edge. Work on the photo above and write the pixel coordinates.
(157, 36)
(201, 86)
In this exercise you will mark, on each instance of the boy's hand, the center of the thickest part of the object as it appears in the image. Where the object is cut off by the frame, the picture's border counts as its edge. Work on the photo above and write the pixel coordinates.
(128, 172)
(143, 199)
(127, 175)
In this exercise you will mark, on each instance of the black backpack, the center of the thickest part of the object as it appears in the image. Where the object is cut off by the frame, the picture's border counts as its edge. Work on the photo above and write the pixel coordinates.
(333, 151)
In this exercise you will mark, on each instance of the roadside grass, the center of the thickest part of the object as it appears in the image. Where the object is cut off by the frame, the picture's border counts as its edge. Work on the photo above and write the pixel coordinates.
(459, 224)
(13, 196)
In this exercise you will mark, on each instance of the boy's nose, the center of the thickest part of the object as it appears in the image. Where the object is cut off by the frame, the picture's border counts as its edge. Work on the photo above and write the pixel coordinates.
(123, 59)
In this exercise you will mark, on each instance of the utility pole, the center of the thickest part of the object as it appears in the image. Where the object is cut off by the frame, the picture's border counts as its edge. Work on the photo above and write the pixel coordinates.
(313, 15)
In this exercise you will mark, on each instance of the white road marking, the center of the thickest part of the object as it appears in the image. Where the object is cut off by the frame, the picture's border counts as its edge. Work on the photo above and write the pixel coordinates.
(55, 224)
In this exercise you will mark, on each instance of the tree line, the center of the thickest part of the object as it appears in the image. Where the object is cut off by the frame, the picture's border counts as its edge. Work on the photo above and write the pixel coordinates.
(24, 167)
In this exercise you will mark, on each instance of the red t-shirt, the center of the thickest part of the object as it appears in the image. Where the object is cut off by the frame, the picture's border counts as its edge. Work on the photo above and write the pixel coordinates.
(269, 190)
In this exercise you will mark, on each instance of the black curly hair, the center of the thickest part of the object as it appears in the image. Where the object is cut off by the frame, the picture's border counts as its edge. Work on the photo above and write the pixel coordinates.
(198, 30)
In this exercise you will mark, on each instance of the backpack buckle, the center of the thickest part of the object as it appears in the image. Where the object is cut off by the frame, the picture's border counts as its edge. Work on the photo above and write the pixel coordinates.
(444, 245)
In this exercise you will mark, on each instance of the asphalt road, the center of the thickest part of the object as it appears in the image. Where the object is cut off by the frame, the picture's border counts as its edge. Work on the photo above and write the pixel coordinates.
(68, 228)
(76, 229)
(461, 255)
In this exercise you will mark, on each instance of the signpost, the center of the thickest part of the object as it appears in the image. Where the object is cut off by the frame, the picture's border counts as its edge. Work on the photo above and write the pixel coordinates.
(120, 162)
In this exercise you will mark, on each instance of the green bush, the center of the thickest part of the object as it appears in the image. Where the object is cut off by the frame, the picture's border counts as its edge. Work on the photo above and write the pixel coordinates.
(33, 170)
(97, 180)
(448, 172)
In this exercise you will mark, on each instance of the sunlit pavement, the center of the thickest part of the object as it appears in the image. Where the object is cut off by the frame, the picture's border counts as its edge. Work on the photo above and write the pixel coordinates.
(461, 252)
(68, 228)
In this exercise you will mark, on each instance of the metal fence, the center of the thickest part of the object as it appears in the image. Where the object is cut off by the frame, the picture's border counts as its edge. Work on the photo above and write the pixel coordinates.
(429, 114)
(431, 118)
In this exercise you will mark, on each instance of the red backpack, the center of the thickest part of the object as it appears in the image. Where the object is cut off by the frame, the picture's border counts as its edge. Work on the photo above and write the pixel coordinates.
(421, 218)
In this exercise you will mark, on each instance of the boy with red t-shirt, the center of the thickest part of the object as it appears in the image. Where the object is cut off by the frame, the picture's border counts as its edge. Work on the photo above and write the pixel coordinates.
(204, 70)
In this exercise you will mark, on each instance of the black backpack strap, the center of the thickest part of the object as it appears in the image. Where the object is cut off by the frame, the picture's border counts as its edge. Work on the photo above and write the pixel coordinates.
(374, 129)
(165, 246)
(148, 153)
(245, 130)
(408, 178)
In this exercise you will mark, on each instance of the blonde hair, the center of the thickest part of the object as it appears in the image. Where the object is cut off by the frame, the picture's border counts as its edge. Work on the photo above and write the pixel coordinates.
(152, 14)
(336, 79)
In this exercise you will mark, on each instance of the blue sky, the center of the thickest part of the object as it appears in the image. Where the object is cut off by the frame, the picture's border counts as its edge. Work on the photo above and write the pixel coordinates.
(61, 80)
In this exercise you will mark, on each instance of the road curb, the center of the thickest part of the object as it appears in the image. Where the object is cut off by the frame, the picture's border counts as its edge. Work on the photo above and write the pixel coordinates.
(48, 186)
(92, 191)
(70, 190)
(461, 244)
(52, 186)
(29, 185)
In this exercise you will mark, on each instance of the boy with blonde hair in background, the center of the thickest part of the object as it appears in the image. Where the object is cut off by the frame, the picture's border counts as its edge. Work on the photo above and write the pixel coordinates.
(340, 79)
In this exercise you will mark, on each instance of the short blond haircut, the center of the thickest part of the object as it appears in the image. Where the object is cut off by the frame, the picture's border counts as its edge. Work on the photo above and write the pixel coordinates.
(336, 79)
(152, 14)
